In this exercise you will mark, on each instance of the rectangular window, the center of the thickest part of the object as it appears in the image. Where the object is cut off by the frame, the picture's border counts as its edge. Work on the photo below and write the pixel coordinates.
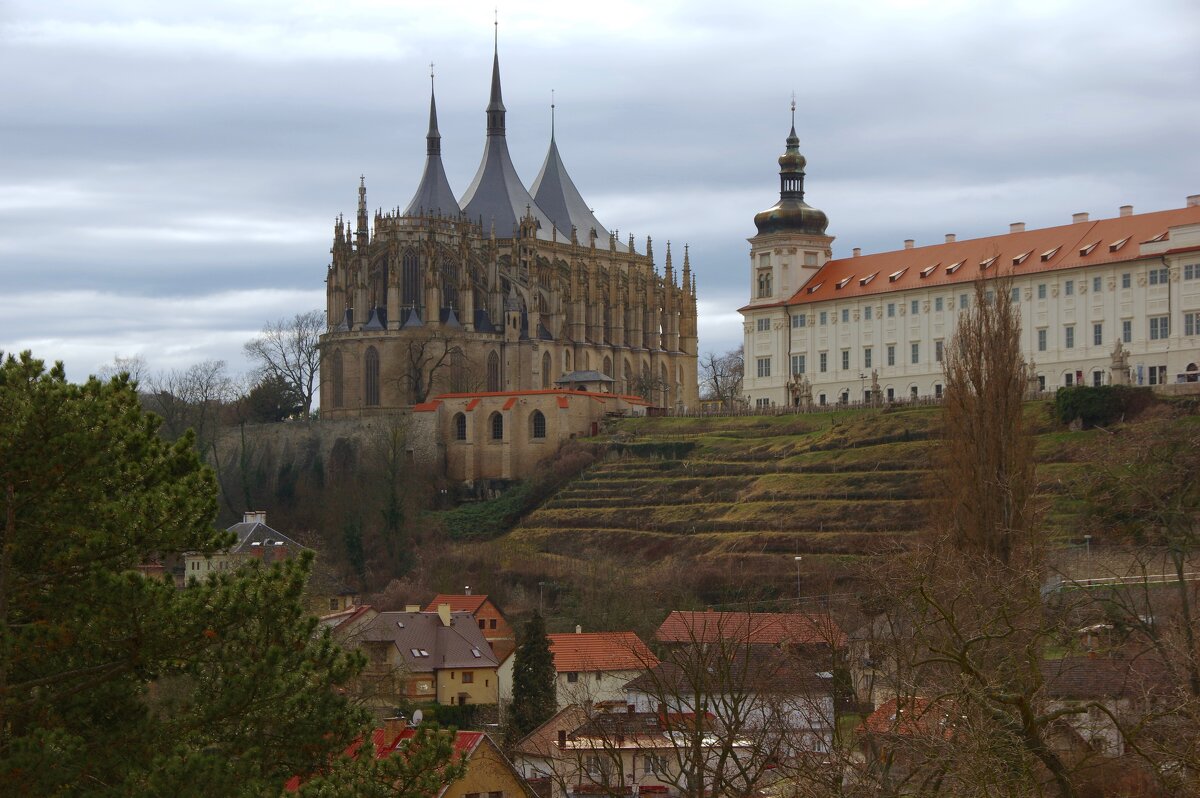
(937, 304)
(1126, 280)
(891, 312)
(1041, 340)
(810, 259)
(762, 402)
(1069, 288)
(1191, 271)
(821, 400)
(963, 301)
(1097, 379)
(1069, 379)
(891, 394)
(845, 359)
(1096, 285)
(1159, 276)
(1127, 331)
(1016, 295)
(1191, 324)
(798, 364)
(799, 320)
(764, 325)
(937, 390)
(916, 353)
(764, 367)
(824, 362)
(1158, 328)
(1041, 290)
(867, 357)
(915, 307)
(1097, 334)
(572, 677)
(1069, 336)
(867, 312)
(824, 318)
(938, 351)
(845, 315)
(891, 355)
(468, 677)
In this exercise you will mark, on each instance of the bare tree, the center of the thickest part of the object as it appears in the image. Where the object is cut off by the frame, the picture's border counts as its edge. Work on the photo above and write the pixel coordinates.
(288, 350)
(431, 359)
(134, 365)
(721, 376)
(191, 398)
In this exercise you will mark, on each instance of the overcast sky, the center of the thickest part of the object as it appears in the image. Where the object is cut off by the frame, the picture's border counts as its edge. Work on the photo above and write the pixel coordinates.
(170, 171)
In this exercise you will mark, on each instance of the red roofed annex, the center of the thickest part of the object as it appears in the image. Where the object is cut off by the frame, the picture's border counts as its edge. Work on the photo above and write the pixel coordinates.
(1102, 301)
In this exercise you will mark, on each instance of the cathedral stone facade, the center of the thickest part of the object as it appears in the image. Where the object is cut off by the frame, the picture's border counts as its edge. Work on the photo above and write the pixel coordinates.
(504, 289)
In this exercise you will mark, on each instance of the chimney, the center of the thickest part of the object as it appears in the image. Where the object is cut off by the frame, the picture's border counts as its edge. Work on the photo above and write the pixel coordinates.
(1016, 227)
(1193, 200)
(1126, 210)
(254, 517)
(392, 728)
(908, 243)
(412, 607)
(467, 589)
(578, 629)
(857, 251)
(629, 708)
(951, 238)
(562, 738)
(1076, 218)
(444, 614)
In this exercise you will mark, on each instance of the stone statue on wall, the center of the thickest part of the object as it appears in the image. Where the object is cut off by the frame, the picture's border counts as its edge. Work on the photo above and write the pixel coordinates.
(1119, 369)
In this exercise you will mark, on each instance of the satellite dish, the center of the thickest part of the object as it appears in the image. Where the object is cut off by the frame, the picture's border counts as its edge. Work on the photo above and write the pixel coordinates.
(417, 717)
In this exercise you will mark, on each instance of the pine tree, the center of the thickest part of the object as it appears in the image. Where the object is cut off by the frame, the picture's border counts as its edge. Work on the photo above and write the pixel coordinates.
(533, 699)
(115, 683)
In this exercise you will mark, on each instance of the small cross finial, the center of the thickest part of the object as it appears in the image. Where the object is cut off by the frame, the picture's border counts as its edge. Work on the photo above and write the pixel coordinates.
(431, 70)
(552, 113)
(793, 108)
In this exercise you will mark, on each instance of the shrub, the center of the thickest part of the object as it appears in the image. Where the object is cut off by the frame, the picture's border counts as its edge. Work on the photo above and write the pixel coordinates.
(1102, 405)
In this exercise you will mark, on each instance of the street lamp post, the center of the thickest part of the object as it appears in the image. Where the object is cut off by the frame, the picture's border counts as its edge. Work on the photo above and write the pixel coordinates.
(862, 387)
(798, 559)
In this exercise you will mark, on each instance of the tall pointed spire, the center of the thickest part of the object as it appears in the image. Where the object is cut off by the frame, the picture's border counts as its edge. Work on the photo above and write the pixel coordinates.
(495, 109)
(361, 231)
(433, 195)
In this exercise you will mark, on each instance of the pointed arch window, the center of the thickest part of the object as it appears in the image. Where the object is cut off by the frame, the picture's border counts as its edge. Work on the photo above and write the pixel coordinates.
(449, 271)
(496, 422)
(493, 372)
(371, 377)
(410, 282)
(607, 366)
(546, 361)
(460, 426)
(537, 425)
(339, 394)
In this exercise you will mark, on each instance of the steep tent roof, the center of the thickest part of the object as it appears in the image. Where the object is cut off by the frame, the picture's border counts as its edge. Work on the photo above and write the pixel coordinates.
(556, 194)
(433, 194)
(497, 195)
(600, 651)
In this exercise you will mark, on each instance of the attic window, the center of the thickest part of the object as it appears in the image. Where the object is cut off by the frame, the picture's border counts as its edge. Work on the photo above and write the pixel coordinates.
(954, 267)
(400, 624)
(1017, 261)
(896, 275)
(1050, 253)
(475, 653)
(1160, 237)
(416, 652)
(815, 288)
(1088, 249)
(868, 278)
(1114, 246)
(424, 653)
(843, 282)
(928, 270)
(984, 264)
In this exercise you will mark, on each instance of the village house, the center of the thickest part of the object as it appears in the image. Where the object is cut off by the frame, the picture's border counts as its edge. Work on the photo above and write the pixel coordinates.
(494, 627)
(255, 542)
(594, 667)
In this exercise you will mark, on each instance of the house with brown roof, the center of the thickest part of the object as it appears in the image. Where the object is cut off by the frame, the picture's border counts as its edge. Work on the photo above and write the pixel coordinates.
(493, 625)
(795, 630)
(537, 754)
(421, 656)
(594, 667)
(254, 541)
(1102, 301)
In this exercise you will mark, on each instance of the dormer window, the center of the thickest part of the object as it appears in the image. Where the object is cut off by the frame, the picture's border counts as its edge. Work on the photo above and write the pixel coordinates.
(1116, 245)
(1017, 261)
(928, 270)
(951, 269)
(868, 278)
(1160, 237)
(896, 275)
(815, 288)
(986, 263)
(1050, 253)
(842, 283)
(1084, 251)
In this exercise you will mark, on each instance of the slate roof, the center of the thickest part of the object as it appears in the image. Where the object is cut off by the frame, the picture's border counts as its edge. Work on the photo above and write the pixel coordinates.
(583, 376)
(254, 534)
(427, 645)
(433, 193)
(556, 194)
(1037, 251)
(600, 651)
(751, 627)
(756, 670)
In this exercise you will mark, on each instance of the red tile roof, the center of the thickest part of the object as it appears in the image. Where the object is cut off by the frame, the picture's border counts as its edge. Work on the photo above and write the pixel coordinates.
(909, 716)
(563, 402)
(1028, 252)
(600, 651)
(389, 742)
(457, 602)
(751, 627)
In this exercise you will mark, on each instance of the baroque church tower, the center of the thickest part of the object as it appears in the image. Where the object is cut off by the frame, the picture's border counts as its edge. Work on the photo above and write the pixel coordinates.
(503, 289)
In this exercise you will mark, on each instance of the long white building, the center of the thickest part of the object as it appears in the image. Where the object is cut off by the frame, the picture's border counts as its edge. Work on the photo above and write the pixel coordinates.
(1102, 301)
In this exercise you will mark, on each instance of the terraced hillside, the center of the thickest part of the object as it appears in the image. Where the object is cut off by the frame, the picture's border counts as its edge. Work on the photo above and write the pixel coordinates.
(737, 496)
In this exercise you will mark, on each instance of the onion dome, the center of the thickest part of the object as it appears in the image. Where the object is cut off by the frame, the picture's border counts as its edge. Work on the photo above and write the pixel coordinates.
(791, 214)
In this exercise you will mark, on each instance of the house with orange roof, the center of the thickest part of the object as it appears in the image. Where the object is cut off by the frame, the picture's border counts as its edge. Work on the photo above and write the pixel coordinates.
(795, 629)
(1102, 301)
(494, 627)
(594, 667)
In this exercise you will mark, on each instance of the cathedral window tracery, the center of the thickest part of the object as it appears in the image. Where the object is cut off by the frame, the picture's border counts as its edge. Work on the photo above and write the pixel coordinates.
(371, 377)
